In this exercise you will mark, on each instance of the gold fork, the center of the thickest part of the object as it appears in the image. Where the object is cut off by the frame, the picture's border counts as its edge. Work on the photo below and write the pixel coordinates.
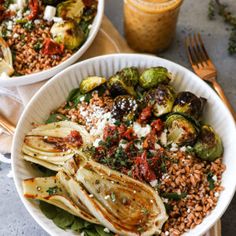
(204, 67)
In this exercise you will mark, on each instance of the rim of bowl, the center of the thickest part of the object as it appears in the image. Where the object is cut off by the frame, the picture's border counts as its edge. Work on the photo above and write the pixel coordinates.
(46, 74)
(119, 56)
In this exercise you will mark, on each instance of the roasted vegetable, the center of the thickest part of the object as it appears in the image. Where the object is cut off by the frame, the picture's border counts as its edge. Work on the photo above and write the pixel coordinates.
(53, 144)
(91, 83)
(125, 108)
(68, 34)
(52, 190)
(6, 65)
(209, 146)
(189, 104)
(123, 82)
(71, 9)
(152, 77)
(180, 130)
(161, 99)
(119, 202)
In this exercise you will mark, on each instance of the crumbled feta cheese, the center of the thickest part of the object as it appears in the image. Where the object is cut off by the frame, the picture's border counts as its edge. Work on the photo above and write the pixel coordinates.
(9, 25)
(90, 26)
(37, 21)
(49, 13)
(183, 149)
(13, 7)
(141, 131)
(91, 195)
(154, 183)
(216, 194)
(21, 4)
(57, 19)
(165, 200)
(123, 144)
(167, 233)
(174, 147)
(107, 197)
(138, 145)
(15, 35)
(157, 146)
(82, 98)
(214, 177)
(96, 142)
(163, 137)
(188, 211)
(106, 230)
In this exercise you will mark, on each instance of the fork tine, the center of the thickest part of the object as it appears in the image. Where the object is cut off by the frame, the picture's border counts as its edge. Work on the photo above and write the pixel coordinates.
(202, 46)
(191, 54)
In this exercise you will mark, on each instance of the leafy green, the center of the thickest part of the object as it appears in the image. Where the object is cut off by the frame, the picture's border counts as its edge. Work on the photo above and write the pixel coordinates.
(210, 180)
(168, 207)
(78, 224)
(101, 232)
(48, 210)
(173, 196)
(84, 25)
(55, 117)
(64, 219)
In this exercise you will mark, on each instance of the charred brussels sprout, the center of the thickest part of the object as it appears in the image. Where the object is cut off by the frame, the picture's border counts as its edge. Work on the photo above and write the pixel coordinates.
(209, 145)
(67, 33)
(189, 104)
(123, 82)
(161, 99)
(180, 130)
(154, 76)
(91, 83)
(71, 9)
(125, 108)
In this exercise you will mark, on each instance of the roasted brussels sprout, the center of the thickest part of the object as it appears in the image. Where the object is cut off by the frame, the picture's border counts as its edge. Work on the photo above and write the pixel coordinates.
(209, 146)
(180, 130)
(71, 9)
(91, 83)
(123, 82)
(189, 104)
(67, 33)
(161, 99)
(154, 76)
(125, 108)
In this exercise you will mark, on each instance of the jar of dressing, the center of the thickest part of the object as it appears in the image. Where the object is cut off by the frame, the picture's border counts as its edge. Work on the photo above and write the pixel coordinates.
(150, 24)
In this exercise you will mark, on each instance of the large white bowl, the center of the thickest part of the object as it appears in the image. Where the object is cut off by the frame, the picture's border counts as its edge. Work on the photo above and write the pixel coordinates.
(46, 74)
(54, 92)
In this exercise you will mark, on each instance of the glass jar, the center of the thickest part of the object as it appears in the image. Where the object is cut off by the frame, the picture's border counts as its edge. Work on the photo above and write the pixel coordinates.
(150, 24)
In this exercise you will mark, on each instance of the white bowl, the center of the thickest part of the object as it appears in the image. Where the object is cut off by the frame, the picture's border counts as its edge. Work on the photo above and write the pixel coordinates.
(54, 92)
(46, 74)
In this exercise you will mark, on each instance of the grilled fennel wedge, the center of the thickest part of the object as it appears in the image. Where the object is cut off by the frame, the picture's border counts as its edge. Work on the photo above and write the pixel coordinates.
(122, 204)
(51, 145)
(52, 191)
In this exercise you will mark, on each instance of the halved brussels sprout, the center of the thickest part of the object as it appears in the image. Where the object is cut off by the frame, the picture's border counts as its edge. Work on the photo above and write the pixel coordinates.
(180, 130)
(71, 9)
(154, 76)
(161, 99)
(209, 146)
(68, 34)
(91, 83)
(125, 108)
(123, 82)
(189, 104)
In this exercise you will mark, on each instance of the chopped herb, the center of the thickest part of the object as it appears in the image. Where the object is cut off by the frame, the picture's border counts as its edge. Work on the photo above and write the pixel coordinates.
(37, 46)
(163, 167)
(211, 180)
(87, 97)
(168, 207)
(21, 21)
(145, 211)
(55, 117)
(28, 25)
(173, 196)
(117, 123)
(52, 190)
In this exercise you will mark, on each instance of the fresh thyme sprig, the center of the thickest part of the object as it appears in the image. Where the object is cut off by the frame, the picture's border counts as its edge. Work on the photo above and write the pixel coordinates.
(222, 10)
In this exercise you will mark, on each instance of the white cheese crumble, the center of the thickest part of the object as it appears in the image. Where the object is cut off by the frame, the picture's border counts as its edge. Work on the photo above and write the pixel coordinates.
(13, 7)
(167, 233)
(49, 13)
(57, 19)
(174, 147)
(123, 143)
(107, 197)
(157, 146)
(183, 149)
(21, 4)
(141, 131)
(37, 21)
(91, 195)
(96, 142)
(214, 177)
(106, 230)
(216, 194)
(15, 35)
(154, 183)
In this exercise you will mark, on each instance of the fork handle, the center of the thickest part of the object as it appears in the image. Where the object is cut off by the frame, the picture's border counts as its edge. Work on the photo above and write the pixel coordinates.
(7, 125)
(221, 93)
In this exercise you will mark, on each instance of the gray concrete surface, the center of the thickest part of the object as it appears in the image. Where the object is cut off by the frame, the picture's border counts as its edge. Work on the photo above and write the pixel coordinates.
(15, 220)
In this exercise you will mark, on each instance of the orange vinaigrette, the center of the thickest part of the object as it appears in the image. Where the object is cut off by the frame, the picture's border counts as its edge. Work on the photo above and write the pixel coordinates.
(150, 24)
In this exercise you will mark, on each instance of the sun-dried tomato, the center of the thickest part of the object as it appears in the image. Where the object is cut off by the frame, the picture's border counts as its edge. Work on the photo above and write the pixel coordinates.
(89, 3)
(34, 9)
(150, 140)
(145, 115)
(128, 134)
(50, 47)
(74, 139)
(157, 125)
(142, 169)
